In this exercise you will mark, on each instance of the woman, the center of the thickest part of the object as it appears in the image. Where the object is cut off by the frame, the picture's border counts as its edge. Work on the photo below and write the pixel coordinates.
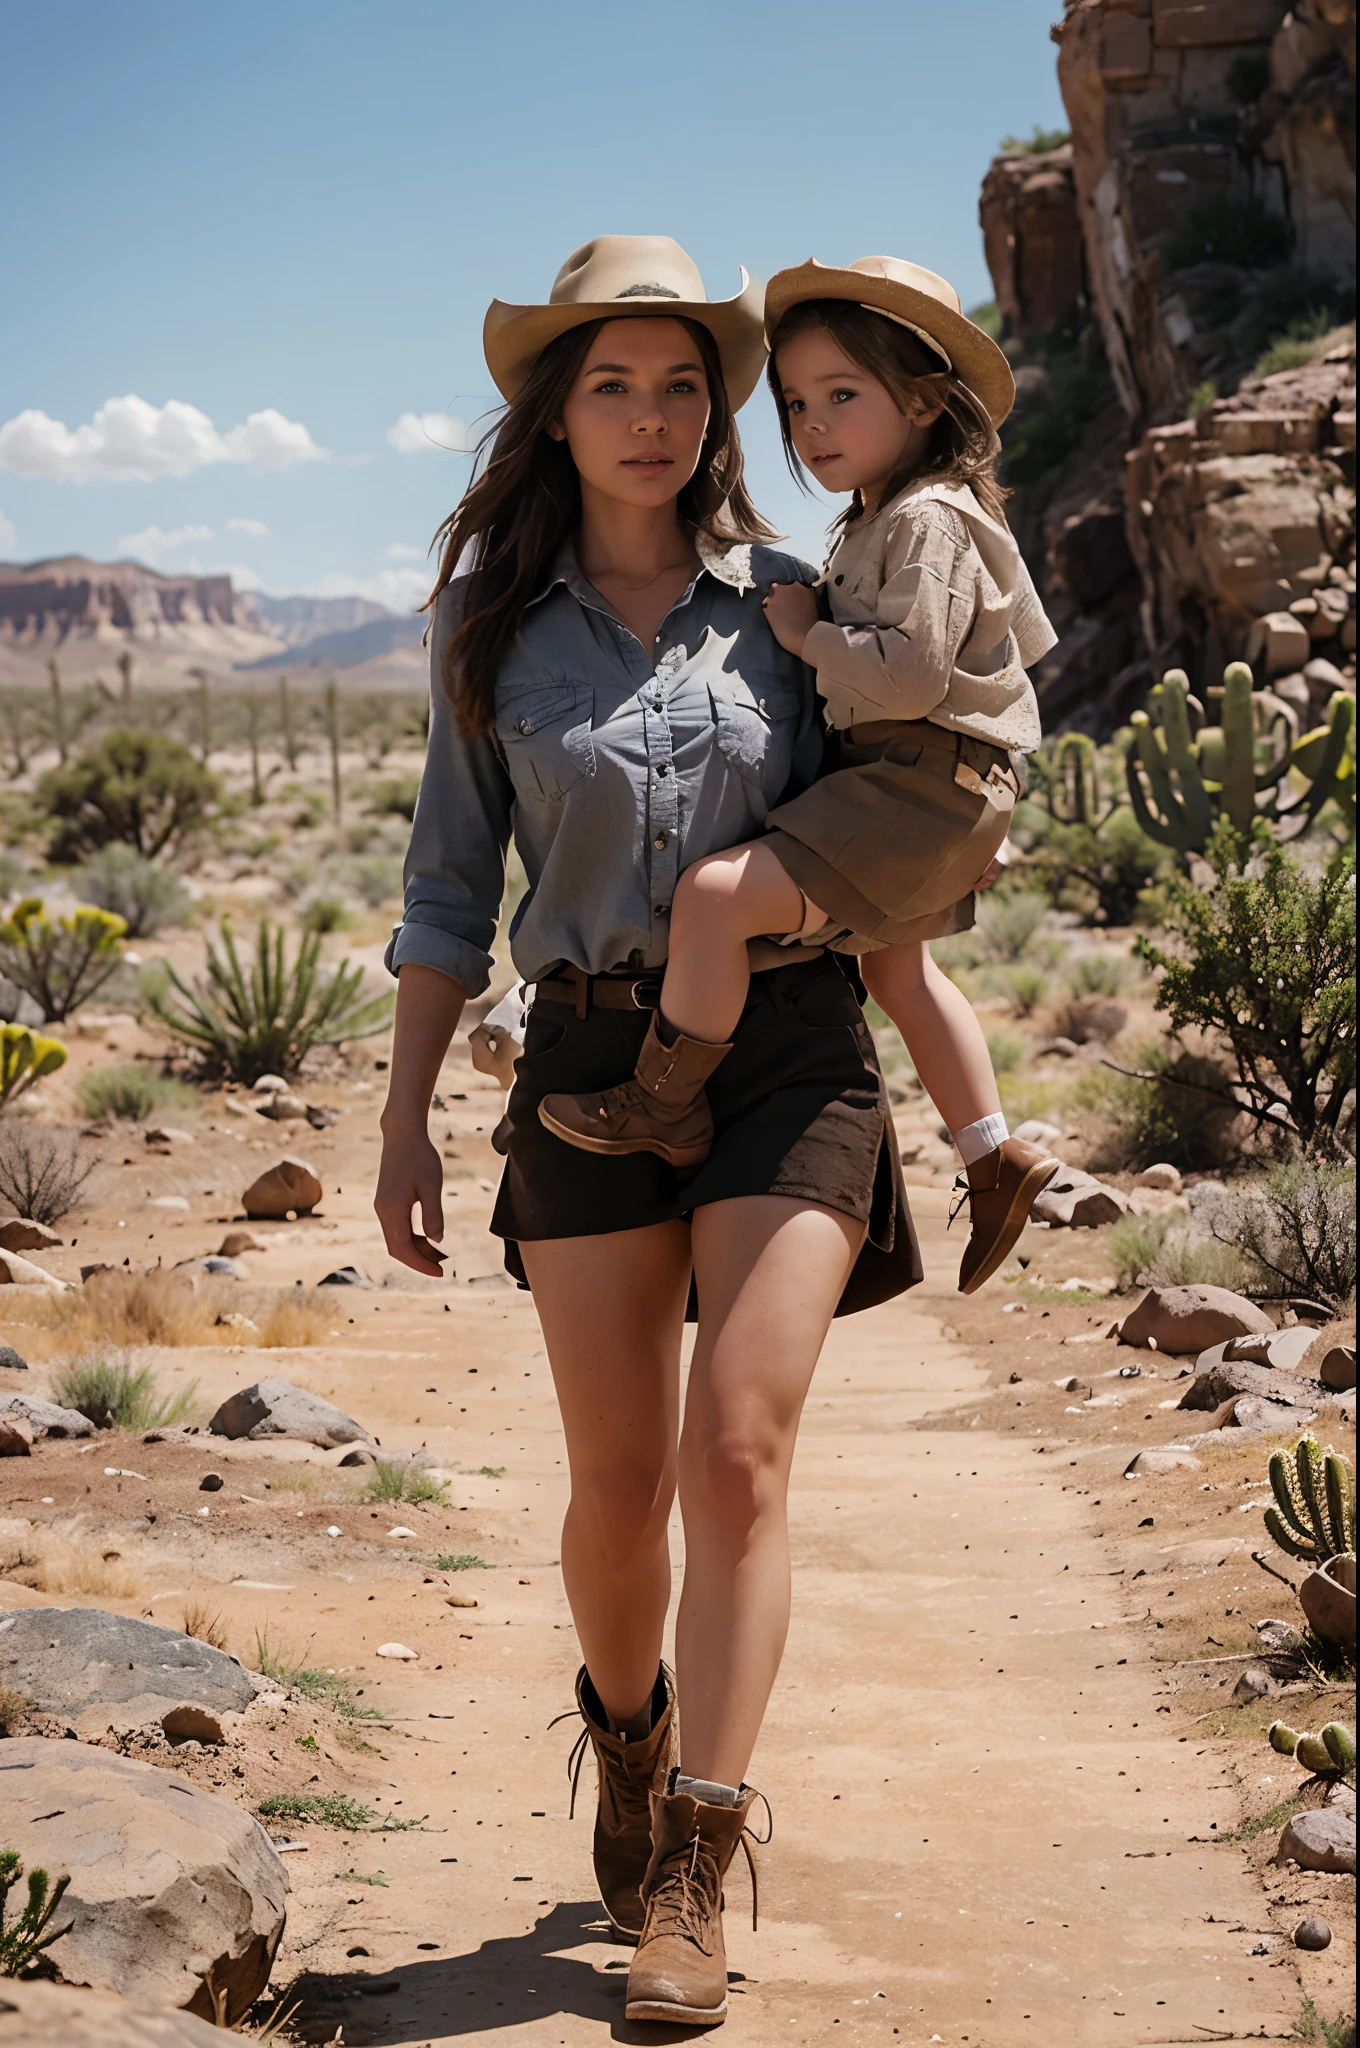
(606, 687)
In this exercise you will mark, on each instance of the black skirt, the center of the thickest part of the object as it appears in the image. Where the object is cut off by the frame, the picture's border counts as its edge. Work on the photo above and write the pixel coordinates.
(799, 1109)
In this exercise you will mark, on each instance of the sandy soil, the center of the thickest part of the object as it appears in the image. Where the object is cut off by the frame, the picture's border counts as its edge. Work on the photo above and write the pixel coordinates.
(1040, 1783)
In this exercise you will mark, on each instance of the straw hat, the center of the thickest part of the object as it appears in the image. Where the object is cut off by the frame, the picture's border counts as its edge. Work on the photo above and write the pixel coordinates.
(617, 276)
(916, 298)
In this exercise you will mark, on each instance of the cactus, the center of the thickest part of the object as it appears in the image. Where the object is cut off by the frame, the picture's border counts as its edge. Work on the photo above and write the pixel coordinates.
(1181, 780)
(24, 1937)
(24, 1059)
(1328, 1754)
(1071, 772)
(1312, 1752)
(62, 961)
(1340, 1745)
(1315, 1519)
(1283, 1740)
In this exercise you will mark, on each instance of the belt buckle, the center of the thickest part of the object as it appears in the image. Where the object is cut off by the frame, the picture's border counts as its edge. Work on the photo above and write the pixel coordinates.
(646, 992)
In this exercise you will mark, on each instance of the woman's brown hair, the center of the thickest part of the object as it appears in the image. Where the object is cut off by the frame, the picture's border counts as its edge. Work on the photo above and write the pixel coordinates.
(963, 447)
(527, 501)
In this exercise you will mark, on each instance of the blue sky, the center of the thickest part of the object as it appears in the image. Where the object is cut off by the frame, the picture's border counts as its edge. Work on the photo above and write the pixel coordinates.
(284, 221)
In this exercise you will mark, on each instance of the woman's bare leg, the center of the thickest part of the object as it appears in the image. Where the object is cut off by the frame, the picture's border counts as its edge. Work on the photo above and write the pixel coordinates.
(939, 1028)
(612, 1310)
(770, 1272)
(720, 903)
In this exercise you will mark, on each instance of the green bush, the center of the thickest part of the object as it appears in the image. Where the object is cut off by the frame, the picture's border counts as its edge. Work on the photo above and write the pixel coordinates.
(132, 1094)
(24, 1936)
(116, 1395)
(395, 1479)
(323, 1688)
(146, 896)
(1007, 1053)
(265, 1020)
(60, 962)
(397, 796)
(1177, 1107)
(1163, 1251)
(1007, 921)
(460, 1561)
(324, 1809)
(1027, 987)
(137, 787)
(1098, 871)
(1296, 1229)
(1265, 959)
(325, 914)
(1099, 974)
(1037, 144)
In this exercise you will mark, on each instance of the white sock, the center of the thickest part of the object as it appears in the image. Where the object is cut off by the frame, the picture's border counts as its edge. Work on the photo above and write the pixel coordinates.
(705, 1789)
(975, 1141)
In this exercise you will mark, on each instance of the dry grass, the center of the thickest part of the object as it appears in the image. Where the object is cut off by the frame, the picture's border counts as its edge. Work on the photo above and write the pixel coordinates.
(67, 1558)
(126, 1310)
(205, 1625)
(13, 1709)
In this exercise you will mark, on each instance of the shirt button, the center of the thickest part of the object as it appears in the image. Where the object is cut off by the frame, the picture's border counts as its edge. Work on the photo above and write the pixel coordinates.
(661, 910)
(661, 768)
(660, 840)
(524, 725)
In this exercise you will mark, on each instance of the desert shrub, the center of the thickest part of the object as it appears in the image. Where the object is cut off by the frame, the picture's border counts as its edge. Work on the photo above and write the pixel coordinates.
(1098, 871)
(135, 786)
(1179, 1108)
(126, 1310)
(25, 1059)
(1295, 1228)
(1165, 1251)
(324, 1809)
(323, 1688)
(145, 895)
(115, 1394)
(379, 879)
(267, 1020)
(1037, 144)
(14, 1708)
(396, 797)
(205, 1624)
(1026, 987)
(1265, 958)
(24, 1935)
(64, 1557)
(132, 1094)
(460, 1561)
(1099, 974)
(60, 962)
(42, 1172)
(396, 1480)
(325, 914)
(1007, 1053)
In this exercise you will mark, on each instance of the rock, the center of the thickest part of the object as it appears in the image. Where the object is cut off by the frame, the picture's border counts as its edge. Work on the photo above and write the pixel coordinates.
(1032, 238)
(214, 1263)
(168, 1884)
(459, 1600)
(1091, 1019)
(1184, 1319)
(1283, 1349)
(1321, 1839)
(1060, 1047)
(1254, 1684)
(1078, 1201)
(398, 1650)
(46, 1417)
(345, 1276)
(359, 1455)
(1162, 1176)
(1337, 1370)
(1034, 1131)
(1249, 1411)
(321, 1116)
(22, 1234)
(167, 1134)
(1327, 1597)
(232, 1319)
(237, 1241)
(1324, 679)
(177, 1202)
(271, 1084)
(1166, 1458)
(276, 1407)
(289, 1189)
(1313, 1933)
(34, 2014)
(1215, 1384)
(12, 1360)
(1280, 640)
(211, 1482)
(1339, 1793)
(1281, 1638)
(16, 1271)
(16, 1437)
(283, 1107)
(81, 1661)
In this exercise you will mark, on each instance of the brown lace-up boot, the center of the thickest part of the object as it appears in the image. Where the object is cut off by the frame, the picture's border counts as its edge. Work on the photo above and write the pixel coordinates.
(679, 1974)
(1013, 1176)
(662, 1109)
(628, 1773)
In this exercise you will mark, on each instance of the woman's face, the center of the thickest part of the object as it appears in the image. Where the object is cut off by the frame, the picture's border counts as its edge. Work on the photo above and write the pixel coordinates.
(636, 416)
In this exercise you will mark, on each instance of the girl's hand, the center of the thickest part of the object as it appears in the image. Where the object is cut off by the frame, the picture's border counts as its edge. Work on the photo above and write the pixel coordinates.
(791, 609)
(411, 1174)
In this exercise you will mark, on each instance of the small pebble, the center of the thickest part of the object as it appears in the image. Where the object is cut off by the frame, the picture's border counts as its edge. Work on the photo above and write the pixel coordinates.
(211, 1482)
(204, 1512)
(1312, 1933)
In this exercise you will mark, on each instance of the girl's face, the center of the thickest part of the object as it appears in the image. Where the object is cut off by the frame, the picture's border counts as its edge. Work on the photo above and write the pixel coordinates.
(847, 429)
(636, 416)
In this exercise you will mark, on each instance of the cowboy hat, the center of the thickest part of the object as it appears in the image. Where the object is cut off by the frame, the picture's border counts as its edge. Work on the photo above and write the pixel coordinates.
(915, 298)
(617, 276)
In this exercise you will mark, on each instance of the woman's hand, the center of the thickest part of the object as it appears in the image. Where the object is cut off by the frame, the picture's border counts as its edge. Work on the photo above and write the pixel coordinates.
(409, 1176)
(791, 609)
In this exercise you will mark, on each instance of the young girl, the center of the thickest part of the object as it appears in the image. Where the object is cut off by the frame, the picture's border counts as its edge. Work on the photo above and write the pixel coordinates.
(887, 391)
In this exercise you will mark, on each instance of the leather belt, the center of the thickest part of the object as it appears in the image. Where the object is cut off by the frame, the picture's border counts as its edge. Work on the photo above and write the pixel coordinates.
(603, 991)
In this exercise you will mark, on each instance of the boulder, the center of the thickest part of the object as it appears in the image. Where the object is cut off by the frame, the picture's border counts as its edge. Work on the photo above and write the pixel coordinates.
(1281, 640)
(12, 1360)
(270, 1084)
(166, 1135)
(1337, 1370)
(1162, 1176)
(105, 1670)
(1327, 1597)
(34, 2014)
(46, 1417)
(289, 1189)
(1249, 1411)
(22, 1234)
(345, 1276)
(1321, 1839)
(1164, 1458)
(1283, 1349)
(1313, 1933)
(237, 1241)
(17, 1271)
(16, 1436)
(1078, 1201)
(278, 1408)
(1182, 1319)
(1218, 1383)
(1034, 1131)
(169, 1885)
(282, 1106)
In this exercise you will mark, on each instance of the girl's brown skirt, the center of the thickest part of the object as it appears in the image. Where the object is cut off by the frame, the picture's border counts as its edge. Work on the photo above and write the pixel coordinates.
(799, 1106)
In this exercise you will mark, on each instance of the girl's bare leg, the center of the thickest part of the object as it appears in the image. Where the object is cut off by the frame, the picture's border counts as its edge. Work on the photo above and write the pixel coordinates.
(612, 1310)
(770, 1272)
(940, 1031)
(720, 903)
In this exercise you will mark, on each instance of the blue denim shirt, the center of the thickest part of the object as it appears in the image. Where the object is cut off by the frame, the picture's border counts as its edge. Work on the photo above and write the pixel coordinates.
(614, 766)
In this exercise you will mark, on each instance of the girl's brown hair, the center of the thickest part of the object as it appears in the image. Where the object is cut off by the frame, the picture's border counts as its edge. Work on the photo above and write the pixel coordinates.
(515, 515)
(963, 447)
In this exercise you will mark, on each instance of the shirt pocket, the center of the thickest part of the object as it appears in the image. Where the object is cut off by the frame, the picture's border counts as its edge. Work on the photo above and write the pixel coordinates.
(756, 723)
(543, 724)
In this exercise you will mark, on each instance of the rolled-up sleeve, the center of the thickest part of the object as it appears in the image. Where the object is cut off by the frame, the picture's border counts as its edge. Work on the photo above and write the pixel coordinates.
(902, 663)
(455, 866)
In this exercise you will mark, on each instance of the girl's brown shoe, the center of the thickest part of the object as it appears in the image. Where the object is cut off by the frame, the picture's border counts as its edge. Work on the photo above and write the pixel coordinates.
(662, 1109)
(679, 1974)
(628, 1774)
(1014, 1176)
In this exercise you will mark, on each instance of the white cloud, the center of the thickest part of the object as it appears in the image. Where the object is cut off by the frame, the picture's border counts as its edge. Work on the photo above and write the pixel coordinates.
(399, 551)
(130, 441)
(9, 533)
(254, 528)
(418, 433)
(153, 543)
(401, 590)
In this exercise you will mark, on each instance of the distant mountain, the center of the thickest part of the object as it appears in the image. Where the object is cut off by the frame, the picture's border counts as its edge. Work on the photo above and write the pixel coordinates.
(296, 619)
(347, 647)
